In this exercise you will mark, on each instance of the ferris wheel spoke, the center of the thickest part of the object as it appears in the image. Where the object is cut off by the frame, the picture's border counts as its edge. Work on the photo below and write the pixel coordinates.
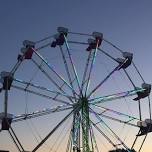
(15, 139)
(127, 122)
(139, 103)
(53, 130)
(47, 75)
(46, 111)
(53, 70)
(74, 98)
(103, 134)
(40, 94)
(112, 97)
(115, 135)
(69, 97)
(85, 71)
(103, 81)
(54, 82)
(16, 144)
(91, 67)
(116, 112)
(67, 71)
(72, 63)
(41, 88)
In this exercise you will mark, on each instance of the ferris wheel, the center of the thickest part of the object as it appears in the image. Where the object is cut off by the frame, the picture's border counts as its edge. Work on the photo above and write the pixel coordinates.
(74, 92)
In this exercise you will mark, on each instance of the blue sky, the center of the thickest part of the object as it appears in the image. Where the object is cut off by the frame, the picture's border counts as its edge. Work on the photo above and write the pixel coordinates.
(126, 23)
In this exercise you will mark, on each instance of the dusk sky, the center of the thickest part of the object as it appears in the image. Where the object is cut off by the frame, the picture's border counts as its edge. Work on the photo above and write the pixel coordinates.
(125, 23)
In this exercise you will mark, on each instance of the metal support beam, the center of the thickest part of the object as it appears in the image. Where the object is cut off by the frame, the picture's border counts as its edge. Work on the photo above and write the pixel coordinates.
(85, 124)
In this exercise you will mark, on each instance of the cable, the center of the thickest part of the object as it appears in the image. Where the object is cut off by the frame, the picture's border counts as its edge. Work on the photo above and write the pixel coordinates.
(139, 103)
(100, 131)
(69, 144)
(150, 127)
(130, 79)
(46, 38)
(103, 81)
(138, 72)
(51, 79)
(72, 63)
(96, 146)
(39, 94)
(67, 71)
(61, 139)
(36, 139)
(91, 136)
(116, 136)
(58, 139)
(91, 67)
(105, 66)
(53, 70)
(117, 48)
(85, 71)
(108, 55)
(77, 33)
(52, 131)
